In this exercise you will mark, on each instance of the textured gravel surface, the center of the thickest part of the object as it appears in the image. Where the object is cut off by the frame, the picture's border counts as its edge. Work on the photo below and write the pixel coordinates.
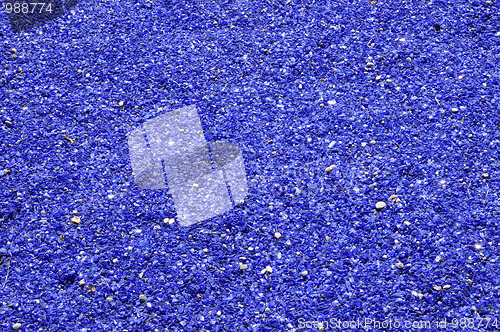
(370, 134)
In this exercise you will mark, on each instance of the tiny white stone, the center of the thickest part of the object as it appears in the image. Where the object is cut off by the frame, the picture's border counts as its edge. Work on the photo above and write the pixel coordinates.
(407, 223)
(76, 220)
(267, 310)
(373, 142)
(88, 75)
(380, 205)
(205, 250)
(378, 78)
(250, 248)
(111, 196)
(81, 282)
(16, 326)
(370, 64)
(330, 168)
(219, 313)
(120, 103)
(196, 185)
(269, 269)
(303, 273)
(363, 143)
(332, 102)
(143, 297)
(277, 235)
(454, 110)
(109, 299)
(243, 266)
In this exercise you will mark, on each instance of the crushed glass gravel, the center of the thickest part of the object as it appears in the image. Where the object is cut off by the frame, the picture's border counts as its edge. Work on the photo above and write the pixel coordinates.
(403, 106)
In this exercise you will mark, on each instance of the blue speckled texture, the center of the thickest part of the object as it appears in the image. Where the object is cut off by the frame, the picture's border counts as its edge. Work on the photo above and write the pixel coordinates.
(402, 97)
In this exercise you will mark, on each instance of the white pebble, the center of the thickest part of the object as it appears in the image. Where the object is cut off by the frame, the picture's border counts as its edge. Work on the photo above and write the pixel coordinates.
(268, 269)
(370, 64)
(454, 110)
(143, 297)
(111, 196)
(303, 273)
(109, 299)
(380, 205)
(243, 266)
(16, 326)
(363, 143)
(76, 220)
(277, 235)
(330, 168)
(373, 142)
(81, 282)
(332, 102)
(378, 77)
(120, 103)
(219, 313)
(250, 248)
(169, 221)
